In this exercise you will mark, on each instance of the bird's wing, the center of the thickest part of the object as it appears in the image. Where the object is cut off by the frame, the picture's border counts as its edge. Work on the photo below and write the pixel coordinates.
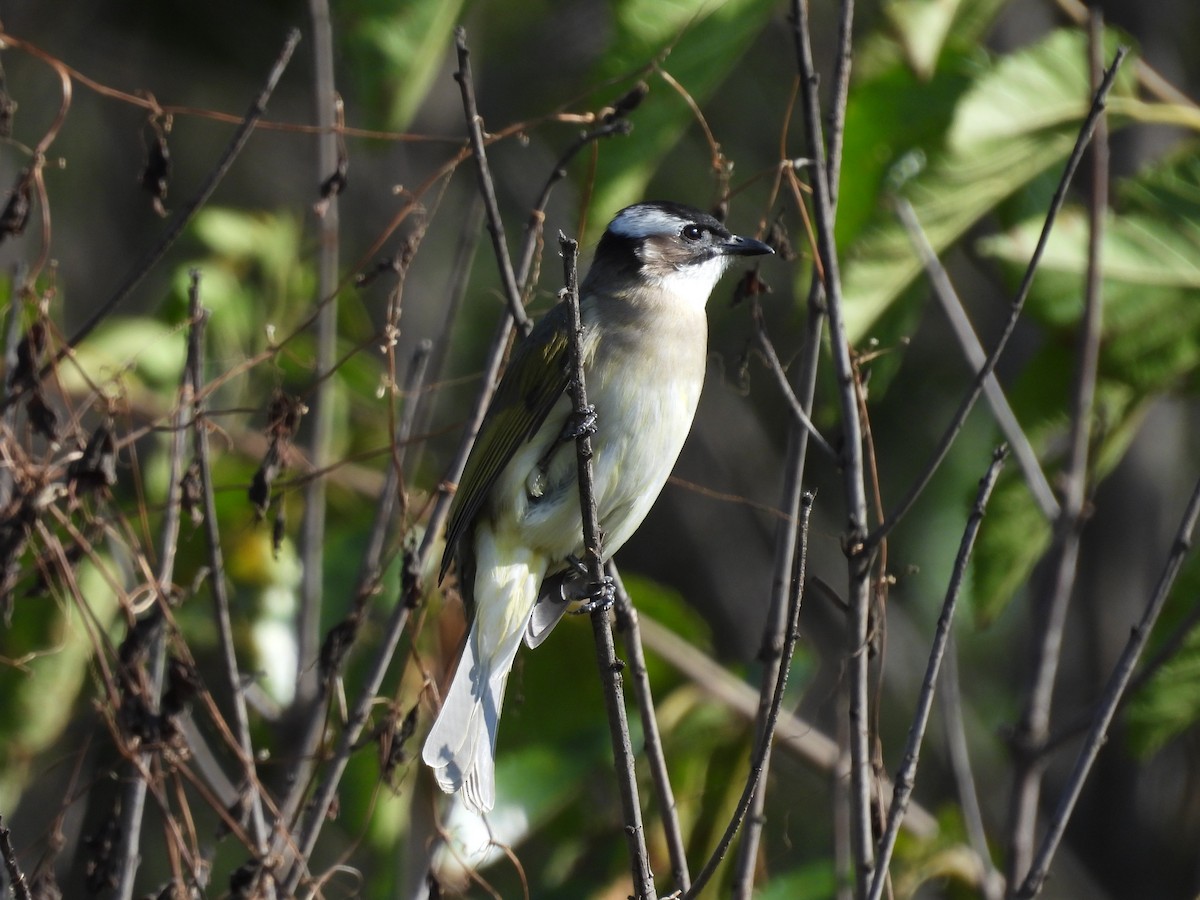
(535, 379)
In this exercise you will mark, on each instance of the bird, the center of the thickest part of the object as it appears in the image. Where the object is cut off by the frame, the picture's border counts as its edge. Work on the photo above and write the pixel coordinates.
(514, 525)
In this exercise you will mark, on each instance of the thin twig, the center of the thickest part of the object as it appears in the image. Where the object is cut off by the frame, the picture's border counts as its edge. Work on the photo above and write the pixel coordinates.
(968, 403)
(906, 776)
(774, 628)
(631, 635)
(134, 801)
(367, 582)
(764, 740)
(181, 220)
(16, 878)
(943, 289)
(486, 186)
(799, 414)
(12, 339)
(1164, 652)
(798, 736)
(959, 760)
(216, 565)
(1113, 692)
(606, 656)
(858, 553)
(1050, 614)
(320, 416)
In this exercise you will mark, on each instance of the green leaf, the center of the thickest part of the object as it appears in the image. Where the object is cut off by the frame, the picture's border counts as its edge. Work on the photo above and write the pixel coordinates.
(921, 27)
(397, 50)
(53, 647)
(816, 880)
(1150, 343)
(1170, 704)
(699, 43)
(1018, 118)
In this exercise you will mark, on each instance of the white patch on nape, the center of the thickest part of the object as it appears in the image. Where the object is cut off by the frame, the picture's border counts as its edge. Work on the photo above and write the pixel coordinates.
(643, 221)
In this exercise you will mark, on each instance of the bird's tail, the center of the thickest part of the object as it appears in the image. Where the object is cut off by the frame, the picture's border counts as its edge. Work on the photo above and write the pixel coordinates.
(461, 745)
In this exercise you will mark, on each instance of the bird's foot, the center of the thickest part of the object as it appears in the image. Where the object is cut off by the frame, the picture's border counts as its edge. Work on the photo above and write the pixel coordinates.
(598, 597)
(579, 424)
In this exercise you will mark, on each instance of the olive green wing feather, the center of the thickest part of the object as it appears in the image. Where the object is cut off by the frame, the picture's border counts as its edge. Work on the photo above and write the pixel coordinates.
(535, 379)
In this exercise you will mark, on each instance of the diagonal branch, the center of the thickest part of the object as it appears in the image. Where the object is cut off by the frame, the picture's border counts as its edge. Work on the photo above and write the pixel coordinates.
(1050, 612)
(487, 186)
(1117, 683)
(968, 403)
(906, 776)
(767, 732)
(943, 289)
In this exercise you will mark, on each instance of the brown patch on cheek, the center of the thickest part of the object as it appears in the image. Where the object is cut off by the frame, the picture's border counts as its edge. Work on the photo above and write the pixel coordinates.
(662, 255)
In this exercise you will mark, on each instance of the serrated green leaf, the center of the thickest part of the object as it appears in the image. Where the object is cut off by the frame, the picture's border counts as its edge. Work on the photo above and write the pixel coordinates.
(1018, 118)
(1013, 538)
(1170, 703)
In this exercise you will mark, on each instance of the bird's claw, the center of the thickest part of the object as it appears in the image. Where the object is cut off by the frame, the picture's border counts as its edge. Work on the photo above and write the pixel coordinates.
(580, 423)
(600, 596)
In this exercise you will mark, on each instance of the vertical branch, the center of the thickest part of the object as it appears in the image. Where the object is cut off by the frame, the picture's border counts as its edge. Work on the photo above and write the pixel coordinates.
(630, 628)
(1050, 615)
(959, 759)
(134, 801)
(606, 655)
(216, 565)
(858, 553)
(906, 776)
(312, 529)
(1117, 683)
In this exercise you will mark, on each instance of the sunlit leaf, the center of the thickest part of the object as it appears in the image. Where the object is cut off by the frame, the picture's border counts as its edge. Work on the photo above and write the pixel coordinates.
(705, 41)
(1018, 118)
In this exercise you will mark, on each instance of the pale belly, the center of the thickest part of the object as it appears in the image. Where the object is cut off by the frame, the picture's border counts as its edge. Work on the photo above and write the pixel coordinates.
(641, 428)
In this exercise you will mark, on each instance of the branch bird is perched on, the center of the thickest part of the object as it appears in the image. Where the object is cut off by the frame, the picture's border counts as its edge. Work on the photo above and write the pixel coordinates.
(515, 524)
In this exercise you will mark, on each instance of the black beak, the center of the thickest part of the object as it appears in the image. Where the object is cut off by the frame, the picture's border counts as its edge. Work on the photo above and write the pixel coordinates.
(736, 245)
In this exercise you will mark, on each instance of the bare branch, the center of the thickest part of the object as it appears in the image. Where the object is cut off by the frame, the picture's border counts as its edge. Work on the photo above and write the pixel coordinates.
(600, 594)
(486, 186)
(134, 800)
(1117, 683)
(943, 289)
(763, 743)
(1050, 612)
(312, 526)
(906, 776)
(630, 628)
(858, 552)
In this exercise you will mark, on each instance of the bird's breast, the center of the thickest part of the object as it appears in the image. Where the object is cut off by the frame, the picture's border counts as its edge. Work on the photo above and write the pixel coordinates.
(644, 381)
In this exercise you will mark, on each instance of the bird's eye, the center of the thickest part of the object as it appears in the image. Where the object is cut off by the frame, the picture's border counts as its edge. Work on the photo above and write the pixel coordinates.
(692, 232)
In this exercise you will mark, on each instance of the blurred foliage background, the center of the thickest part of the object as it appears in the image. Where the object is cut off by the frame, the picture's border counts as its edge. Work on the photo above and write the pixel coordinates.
(967, 108)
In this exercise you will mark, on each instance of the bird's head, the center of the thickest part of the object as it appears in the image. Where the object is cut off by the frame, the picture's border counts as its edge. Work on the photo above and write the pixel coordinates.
(669, 247)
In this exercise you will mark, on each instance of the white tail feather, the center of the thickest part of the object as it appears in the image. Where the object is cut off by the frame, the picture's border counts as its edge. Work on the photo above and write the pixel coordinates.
(461, 746)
